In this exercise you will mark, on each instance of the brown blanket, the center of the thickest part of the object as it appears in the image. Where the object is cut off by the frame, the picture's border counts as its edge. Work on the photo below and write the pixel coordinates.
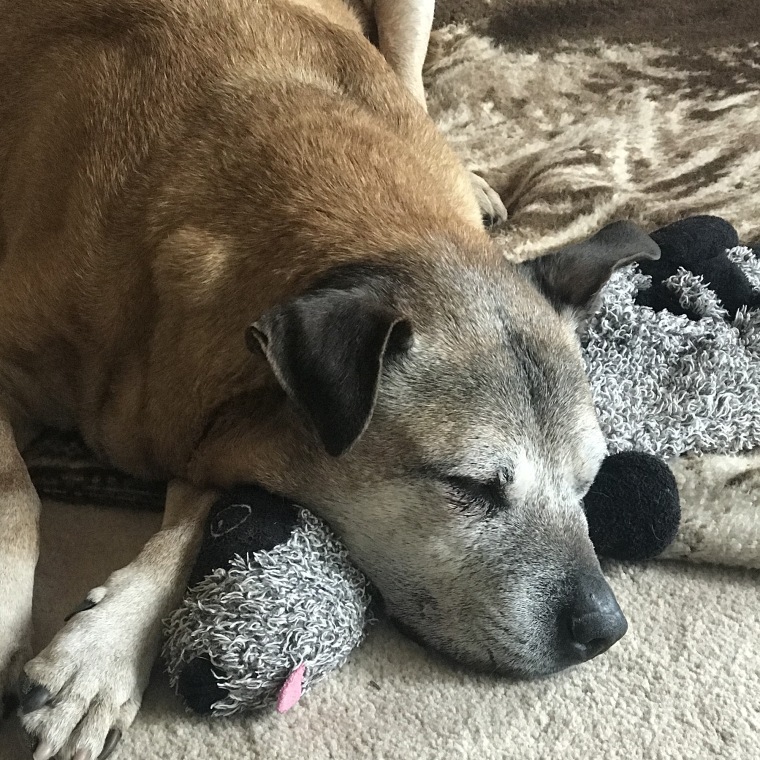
(586, 110)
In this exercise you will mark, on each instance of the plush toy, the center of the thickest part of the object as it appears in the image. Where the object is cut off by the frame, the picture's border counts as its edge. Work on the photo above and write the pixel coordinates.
(673, 353)
(632, 508)
(274, 604)
(701, 245)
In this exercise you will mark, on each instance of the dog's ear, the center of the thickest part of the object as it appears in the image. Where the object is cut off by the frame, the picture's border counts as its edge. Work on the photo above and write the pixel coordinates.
(327, 349)
(572, 277)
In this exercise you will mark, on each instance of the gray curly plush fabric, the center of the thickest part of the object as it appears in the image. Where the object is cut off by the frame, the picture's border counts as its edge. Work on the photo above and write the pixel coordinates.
(668, 385)
(303, 602)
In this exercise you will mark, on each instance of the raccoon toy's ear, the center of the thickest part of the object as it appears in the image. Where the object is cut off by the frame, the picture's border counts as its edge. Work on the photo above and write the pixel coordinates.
(633, 508)
(572, 277)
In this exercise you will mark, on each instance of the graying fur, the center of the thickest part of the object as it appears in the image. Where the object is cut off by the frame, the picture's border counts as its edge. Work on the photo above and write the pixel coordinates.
(493, 384)
(661, 383)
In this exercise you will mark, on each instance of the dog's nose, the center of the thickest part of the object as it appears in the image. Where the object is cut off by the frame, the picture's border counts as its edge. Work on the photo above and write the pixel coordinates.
(594, 621)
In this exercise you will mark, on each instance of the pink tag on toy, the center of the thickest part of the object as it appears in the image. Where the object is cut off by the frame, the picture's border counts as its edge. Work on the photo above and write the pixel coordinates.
(291, 690)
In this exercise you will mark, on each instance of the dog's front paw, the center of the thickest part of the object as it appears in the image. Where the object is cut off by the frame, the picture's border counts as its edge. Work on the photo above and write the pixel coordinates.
(492, 208)
(83, 691)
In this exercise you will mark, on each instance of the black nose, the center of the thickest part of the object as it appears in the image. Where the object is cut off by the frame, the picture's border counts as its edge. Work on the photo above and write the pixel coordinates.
(593, 622)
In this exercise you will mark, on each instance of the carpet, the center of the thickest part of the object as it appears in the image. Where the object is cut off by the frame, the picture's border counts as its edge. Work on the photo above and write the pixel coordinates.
(578, 112)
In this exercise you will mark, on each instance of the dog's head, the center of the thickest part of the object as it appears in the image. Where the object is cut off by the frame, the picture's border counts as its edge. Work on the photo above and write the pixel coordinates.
(458, 439)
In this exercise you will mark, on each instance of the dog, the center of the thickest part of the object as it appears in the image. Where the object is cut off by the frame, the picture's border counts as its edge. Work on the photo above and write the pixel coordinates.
(234, 248)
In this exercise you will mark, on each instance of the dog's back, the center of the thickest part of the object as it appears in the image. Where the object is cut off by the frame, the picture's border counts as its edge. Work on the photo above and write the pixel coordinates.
(132, 219)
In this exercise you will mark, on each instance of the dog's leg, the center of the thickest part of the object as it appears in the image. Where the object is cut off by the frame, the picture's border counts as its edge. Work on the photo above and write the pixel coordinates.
(19, 546)
(85, 688)
(403, 29)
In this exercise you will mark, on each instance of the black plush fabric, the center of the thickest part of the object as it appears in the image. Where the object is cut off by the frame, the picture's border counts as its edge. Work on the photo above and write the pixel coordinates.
(697, 244)
(244, 520)
(199, 685)
(633, 509)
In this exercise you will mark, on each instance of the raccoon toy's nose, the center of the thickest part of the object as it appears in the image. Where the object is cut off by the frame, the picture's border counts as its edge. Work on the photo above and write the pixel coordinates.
(594, 621)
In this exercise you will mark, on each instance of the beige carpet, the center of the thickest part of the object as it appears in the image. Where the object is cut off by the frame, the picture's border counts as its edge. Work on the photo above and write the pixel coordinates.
(683, 684)
(589, 110)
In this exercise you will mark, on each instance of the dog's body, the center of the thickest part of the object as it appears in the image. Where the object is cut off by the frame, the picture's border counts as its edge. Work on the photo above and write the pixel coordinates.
(172, 171)
(131, 173)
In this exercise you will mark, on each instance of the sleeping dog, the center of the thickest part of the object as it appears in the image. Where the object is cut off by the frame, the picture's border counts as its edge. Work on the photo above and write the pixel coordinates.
(234, 248)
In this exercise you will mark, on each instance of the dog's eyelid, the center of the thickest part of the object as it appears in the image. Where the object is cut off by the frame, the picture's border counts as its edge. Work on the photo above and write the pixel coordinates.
(493, 488)
(501, 479)
(488, 494)
(469, 482)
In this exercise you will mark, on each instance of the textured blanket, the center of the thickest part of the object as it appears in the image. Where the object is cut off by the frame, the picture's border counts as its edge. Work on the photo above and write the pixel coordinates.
(583, 111)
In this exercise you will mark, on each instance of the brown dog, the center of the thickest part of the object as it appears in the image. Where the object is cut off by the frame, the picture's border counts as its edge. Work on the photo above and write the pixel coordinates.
(233, 247)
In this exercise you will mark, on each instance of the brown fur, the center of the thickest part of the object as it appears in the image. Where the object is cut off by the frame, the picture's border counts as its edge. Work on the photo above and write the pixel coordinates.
(147, 251)
(168, 172)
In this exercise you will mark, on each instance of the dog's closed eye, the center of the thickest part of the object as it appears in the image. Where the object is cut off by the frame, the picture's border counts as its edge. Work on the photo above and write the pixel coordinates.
(486, 496)
(483, 495)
